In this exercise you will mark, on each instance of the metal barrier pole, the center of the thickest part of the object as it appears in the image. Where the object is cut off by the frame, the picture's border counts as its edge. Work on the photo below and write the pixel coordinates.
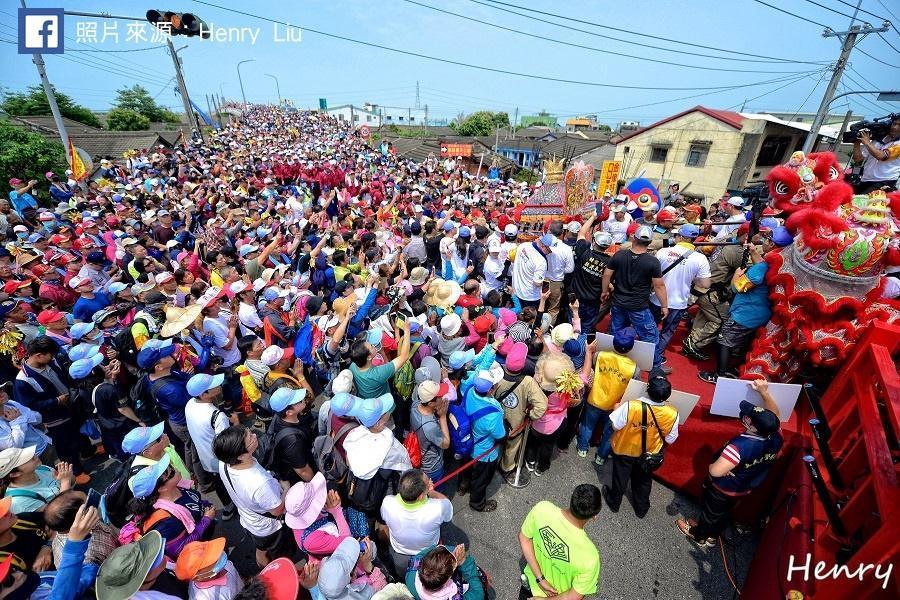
(521, 478)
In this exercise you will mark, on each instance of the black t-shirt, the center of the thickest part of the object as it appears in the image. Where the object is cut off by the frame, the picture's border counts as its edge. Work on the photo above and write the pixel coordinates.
(633, 276)
(433, 249)
(294, 451)
(108, 399)
(168, 583)
(587, 279)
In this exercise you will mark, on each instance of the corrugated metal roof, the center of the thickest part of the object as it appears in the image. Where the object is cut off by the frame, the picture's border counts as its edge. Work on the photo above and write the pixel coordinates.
(571, 146)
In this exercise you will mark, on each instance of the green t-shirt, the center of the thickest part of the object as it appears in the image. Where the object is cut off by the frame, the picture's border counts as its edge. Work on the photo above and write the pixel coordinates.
(567, 557)
(374, 381)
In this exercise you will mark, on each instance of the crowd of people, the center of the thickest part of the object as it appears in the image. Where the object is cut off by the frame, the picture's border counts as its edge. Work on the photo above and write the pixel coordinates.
(291, 326)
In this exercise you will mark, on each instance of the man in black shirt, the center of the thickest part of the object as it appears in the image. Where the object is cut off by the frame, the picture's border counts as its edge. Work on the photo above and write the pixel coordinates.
(432, 245)
(293, 460)
(636, 273)
(587, 279)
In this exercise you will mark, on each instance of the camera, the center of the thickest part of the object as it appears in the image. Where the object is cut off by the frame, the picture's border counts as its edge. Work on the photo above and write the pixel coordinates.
(878, 128)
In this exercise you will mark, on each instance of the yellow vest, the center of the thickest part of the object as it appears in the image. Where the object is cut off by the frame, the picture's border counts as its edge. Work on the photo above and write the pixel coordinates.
(612, 372)
(627, 441)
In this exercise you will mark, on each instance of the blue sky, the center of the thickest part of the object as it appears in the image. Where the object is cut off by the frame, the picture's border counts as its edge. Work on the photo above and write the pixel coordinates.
(341, 71)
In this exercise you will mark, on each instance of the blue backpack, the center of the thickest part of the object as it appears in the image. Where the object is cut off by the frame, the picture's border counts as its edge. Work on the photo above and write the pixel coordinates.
(462, 441)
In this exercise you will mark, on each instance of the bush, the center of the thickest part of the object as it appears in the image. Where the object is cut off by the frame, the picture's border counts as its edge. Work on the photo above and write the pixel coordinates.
(120, 119)
(34, 103)
(28, 155)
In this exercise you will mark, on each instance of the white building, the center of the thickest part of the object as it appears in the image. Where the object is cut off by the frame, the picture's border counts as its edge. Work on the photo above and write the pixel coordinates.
(398, 115)
(359, 116)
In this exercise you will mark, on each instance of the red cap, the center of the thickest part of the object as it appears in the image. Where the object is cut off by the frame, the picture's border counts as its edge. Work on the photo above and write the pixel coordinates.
(51, 315)
(13, 285)
(41, 269)
(744, 229)
(281, 579)
(484, 323)
(59, 239)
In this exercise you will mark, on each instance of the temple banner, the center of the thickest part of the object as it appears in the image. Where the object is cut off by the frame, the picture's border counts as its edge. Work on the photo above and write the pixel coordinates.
(609, 177)
(448, 149)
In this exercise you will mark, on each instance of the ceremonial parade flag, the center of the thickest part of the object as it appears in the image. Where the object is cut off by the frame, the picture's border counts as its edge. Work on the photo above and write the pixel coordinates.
(79, 171)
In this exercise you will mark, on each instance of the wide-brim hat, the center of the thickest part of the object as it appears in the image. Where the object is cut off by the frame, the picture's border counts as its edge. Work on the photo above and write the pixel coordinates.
(123, 572)
(178, 319)
(304, 502)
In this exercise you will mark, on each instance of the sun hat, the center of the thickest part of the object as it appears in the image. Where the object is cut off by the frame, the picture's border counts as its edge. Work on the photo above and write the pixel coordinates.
(13, 458)
(418, 275)
(450, 324)
(143, 483)
(137, 440)
(335, 571)
(123, 572)
(197, 557)
(202, 382)
(304, 502)
(178, 319)
(284, 397)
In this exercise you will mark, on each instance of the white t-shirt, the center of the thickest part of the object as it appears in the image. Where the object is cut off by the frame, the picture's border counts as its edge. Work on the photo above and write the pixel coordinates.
(219, 330)
(249, 319)
(528, 272)
(226, 591)
(727, 229)
(617, 229)
(882, 170)
(417, 526)
(198, 416)
(679, 279)
(253, 491)
(493, 268)
(560, 261)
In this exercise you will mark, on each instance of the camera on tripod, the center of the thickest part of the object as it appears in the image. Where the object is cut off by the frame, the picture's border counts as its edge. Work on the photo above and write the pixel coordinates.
(878, 128)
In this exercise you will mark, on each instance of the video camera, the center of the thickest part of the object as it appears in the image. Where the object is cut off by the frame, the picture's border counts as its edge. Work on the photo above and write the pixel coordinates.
(878, 128)
(756, 198)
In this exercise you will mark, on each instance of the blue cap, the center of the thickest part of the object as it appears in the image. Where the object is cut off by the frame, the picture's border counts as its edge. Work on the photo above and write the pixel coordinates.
(202, 382)
(34, 237)
(116, 286)
(270, 294)
(769, 223)
(460, 358)
(548, 240)
(689, 231)
(81, 368)
(782, 237)
(143, 483)
(139, 438)
(7, 306)
(148, 357)
(465, 232)
(449, 226)
(342, 403)
(576, 349)
(247, 249)
(623, 340)
(83, 351)
(483, 386)
(369, 410)
(79, 330)
(284, 397)
(374, 336)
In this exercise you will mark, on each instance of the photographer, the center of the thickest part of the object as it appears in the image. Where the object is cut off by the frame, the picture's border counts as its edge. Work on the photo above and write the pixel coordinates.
(881, 166)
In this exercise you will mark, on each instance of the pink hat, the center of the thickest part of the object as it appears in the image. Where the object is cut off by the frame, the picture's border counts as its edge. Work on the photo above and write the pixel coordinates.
(515, 358)
(507, 317)
(304, 502)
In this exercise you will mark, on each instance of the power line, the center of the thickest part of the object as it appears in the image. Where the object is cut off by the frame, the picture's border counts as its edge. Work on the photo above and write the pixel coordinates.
(591, 48)
(795, 15)
(808, 96)
(480, 67)
(129, 50)
(885, 40)
(837, 12)
(876, 59)
(862, 10)
(643, 35)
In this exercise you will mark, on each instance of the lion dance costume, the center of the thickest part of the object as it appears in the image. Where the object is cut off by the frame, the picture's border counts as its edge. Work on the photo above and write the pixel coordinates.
(826, 287)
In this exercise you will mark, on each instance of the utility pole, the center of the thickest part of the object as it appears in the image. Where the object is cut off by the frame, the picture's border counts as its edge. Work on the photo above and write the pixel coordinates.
(182, 90)
(38, 61)
(515, 121)
(241, 81)
(426, 118)
(417, 95)
(849, 41)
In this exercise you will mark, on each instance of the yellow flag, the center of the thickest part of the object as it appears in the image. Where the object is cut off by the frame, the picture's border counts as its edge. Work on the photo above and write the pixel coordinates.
(78, 169)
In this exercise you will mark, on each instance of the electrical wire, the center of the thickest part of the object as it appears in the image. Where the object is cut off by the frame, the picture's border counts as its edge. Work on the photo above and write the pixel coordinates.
(130, 50)
(876, 59)
(851, 17)
(885, 40)
(862, 10)
(795, 15)
(480, 67)
(805, 100)
(643, 35)
(591, 48)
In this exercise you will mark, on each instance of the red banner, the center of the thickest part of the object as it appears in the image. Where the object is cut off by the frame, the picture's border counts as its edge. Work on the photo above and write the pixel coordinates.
(452, 149)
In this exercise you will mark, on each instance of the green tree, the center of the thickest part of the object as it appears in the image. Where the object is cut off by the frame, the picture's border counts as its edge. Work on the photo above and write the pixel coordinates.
(28, 155)
(120, 119)
(33, 102)
(482, 123)
(137, 99)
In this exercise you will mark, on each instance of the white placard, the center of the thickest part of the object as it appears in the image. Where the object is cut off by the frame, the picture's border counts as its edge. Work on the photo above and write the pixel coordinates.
(730, 392)
(641, 354)
(683, 402)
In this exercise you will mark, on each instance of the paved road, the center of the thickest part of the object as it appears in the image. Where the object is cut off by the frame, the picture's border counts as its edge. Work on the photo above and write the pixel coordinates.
(641, 558)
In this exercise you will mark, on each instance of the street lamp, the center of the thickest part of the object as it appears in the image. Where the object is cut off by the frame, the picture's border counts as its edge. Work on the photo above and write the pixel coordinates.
(222, 91)
(241, 81)
(277, 87)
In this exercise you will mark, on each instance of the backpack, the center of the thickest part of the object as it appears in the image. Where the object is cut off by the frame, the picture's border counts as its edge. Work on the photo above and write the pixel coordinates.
(405, 377)
(124, 344)
(330, 459)
(142, 397)
(460, 426)
(118, 494)
(268, 441)
(367, 495)
(413, 448)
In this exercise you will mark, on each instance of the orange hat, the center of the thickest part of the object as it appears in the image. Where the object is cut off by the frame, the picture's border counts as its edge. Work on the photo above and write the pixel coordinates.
(197, 556)
(5, 506)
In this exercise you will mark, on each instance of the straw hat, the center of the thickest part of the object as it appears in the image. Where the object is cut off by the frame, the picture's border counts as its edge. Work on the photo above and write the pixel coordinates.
(178, 319)
(550, 366)
(442, 293)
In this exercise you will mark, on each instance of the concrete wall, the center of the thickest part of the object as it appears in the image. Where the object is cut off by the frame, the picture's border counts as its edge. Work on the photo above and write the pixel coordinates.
(359, 116)
(711, 179)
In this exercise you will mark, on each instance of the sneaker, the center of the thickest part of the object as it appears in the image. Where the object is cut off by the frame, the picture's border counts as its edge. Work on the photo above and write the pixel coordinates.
(666, 370)
(489, 506)
(582, 453)
(83, 479)
(691, 351)
(604, 491)
(531, 466)
(708, 376)
(538, 472)
(685, 528)
(599, 461)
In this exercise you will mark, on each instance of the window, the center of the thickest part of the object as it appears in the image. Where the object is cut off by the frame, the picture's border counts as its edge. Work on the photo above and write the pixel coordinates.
(401, 118)
(356, 117)
(697, 155)
(368, 118)
(772, 150)
(658, 154)
(340, 116)
(388, 118)
(411, 119)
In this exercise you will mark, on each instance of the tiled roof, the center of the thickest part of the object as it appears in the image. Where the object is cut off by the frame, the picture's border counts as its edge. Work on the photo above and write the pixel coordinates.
(728, 117)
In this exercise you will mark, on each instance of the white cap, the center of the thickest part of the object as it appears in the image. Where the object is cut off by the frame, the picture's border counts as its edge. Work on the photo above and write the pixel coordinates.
(736, 201)
(511, 229)
(574, 226)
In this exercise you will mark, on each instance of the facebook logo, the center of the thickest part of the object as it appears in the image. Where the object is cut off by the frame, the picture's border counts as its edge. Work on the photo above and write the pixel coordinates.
(41, 30)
